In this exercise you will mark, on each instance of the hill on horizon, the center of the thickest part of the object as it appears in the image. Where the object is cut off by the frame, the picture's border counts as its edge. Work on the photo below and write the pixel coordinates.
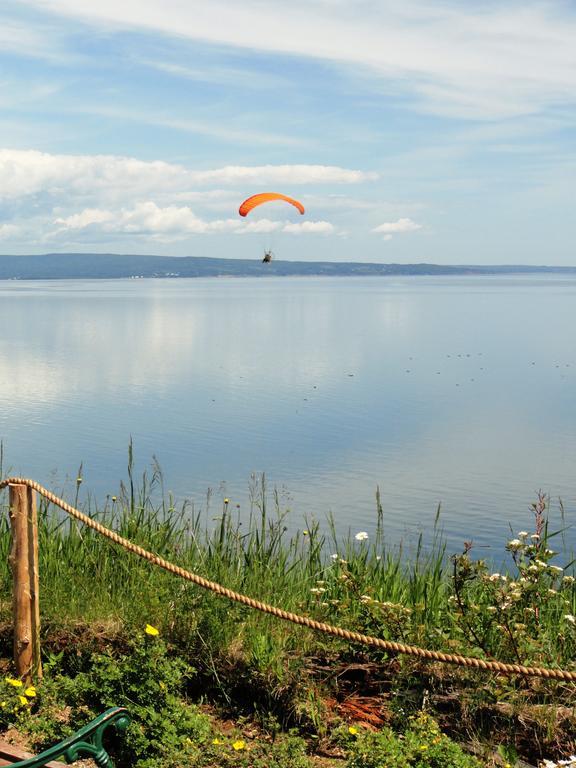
(61, 266)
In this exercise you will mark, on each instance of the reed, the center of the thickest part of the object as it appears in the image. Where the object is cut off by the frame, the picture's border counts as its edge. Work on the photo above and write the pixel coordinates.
(357, 582)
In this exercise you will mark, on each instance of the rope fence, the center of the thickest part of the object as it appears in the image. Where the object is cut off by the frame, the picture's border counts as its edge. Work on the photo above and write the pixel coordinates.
(24, 637)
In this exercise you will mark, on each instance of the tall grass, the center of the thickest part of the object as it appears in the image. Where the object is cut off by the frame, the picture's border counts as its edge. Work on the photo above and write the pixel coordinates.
(359, 584)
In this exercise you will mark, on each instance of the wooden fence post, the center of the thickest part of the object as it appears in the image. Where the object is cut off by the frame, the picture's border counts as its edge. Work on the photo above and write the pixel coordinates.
(24, 563)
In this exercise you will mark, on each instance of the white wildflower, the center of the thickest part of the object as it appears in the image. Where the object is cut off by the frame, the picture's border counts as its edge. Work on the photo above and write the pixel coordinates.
(556, 568)
(494, 577)
(361, 536)
(514, 544)
(569, 617)
(522, 534)
(334, 556)
(568, 579)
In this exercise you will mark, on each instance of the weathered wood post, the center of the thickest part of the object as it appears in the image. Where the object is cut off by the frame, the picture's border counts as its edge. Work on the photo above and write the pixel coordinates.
(24, 563)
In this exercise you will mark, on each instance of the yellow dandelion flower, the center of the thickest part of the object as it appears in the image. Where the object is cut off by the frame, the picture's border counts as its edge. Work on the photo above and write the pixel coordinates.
(2, 704)
(30, 692)
(239, 744)
(150, 630)
(353, 730)
(423, 747)
(14, 682)
(304, 533)
(162, 685)
(226, 501)
(23, 700)
(216, 741)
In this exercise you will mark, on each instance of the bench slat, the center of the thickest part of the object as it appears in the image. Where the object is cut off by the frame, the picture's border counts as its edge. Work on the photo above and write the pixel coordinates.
(10, 754)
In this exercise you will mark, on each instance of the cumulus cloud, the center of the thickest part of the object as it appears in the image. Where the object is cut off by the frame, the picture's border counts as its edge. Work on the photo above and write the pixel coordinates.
(401, 226)
(146, 218)
(305, 227)
(55, 195)
(8, 231)
(173, 223)
(27, 172)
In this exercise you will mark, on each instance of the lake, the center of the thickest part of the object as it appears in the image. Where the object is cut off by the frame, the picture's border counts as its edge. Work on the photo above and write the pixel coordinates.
(457, 391)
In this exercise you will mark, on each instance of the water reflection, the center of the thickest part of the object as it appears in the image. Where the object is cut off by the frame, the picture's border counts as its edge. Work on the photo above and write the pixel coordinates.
(453, 391)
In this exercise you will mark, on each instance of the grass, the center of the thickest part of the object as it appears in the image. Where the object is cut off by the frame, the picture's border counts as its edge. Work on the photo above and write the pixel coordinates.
(94, 594)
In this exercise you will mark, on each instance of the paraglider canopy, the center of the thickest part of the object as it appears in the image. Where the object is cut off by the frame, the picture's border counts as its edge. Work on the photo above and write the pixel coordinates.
(265, 197)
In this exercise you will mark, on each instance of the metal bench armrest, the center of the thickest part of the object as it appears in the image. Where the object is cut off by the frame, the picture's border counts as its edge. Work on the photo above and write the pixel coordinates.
(87, 742)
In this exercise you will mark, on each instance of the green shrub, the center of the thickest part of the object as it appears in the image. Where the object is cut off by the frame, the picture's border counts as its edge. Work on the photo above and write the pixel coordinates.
(422, 745)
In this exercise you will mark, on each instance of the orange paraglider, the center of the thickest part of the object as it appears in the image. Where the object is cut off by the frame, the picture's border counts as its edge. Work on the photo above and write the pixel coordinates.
(265, 197)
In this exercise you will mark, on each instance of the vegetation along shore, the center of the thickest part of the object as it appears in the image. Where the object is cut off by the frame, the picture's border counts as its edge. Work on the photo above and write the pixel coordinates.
(213, 683)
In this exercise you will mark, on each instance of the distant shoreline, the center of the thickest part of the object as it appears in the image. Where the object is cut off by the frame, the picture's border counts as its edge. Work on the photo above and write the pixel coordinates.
(58, 266)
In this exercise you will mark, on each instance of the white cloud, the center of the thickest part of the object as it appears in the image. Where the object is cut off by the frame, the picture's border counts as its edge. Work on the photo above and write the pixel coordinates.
(260, 226)
(27, 172)
(285, 174)
(306, 227)
(86, 218)
(173, 222)
(8, 231)
(401, 226)
(50, 197)
(145, 219)
(467, 60)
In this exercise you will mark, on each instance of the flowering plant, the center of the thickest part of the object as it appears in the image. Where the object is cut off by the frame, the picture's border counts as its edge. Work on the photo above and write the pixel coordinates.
(506, 615)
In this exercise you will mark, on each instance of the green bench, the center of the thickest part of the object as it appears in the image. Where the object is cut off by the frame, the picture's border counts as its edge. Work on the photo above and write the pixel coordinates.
(85, 743)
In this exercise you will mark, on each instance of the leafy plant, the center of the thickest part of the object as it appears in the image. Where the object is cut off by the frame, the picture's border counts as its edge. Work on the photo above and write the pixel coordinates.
(422, 745)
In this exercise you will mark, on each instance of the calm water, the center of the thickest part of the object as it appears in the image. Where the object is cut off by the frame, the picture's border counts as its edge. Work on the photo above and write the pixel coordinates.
(459, 391)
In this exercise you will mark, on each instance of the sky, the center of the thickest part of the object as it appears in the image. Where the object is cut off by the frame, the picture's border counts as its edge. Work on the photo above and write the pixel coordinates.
(411, 131)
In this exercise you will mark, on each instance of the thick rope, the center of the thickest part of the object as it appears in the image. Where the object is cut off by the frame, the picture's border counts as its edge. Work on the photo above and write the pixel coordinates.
(356, 637)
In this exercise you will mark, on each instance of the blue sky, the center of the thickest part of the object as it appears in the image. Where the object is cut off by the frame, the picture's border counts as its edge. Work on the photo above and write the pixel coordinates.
(411, 131)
